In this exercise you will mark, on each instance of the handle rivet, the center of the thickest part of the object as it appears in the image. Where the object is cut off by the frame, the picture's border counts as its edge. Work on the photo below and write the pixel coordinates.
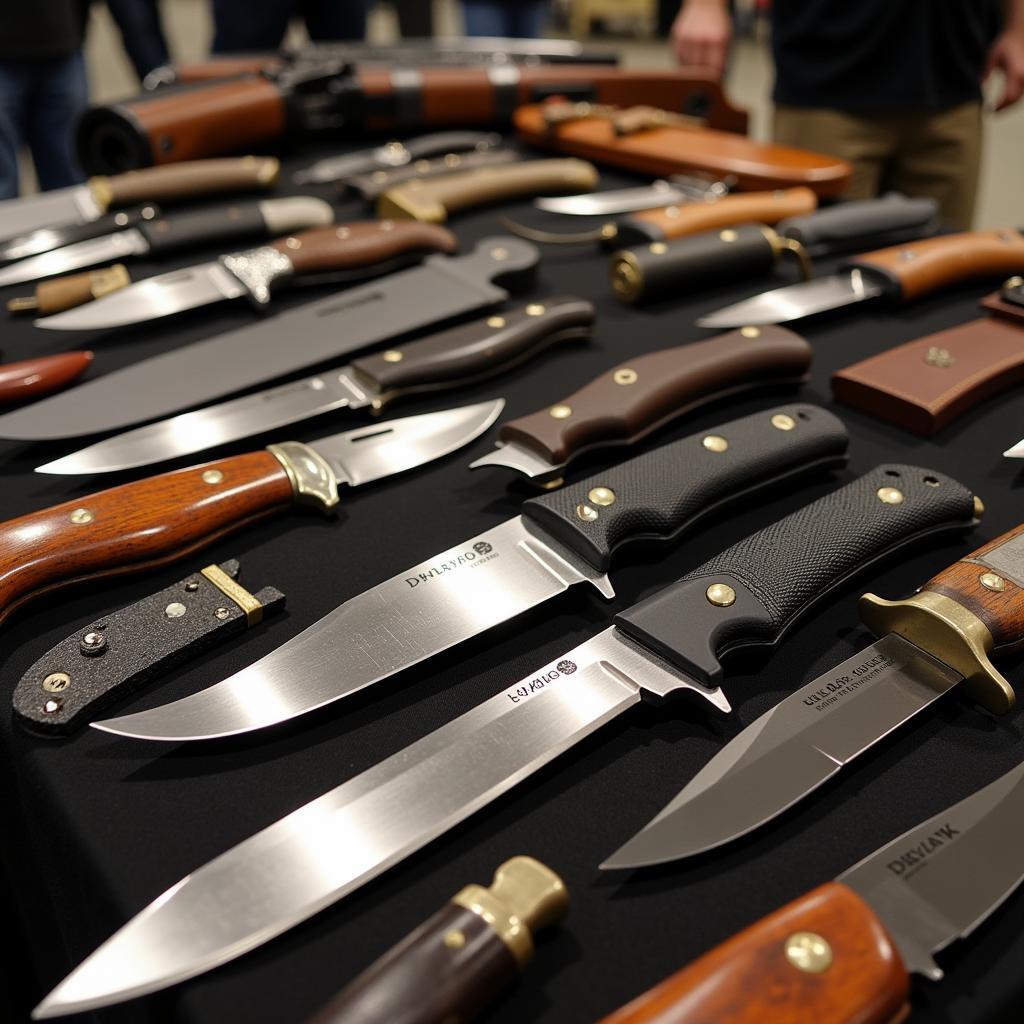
(535, 309)
(212, 476)
(728, 235)
(342, 233)
(625, 376)
(392, 356)
(292, 242)
(93, 643)
(560, 412)
(454, 939)
(175, 610)
(499, 252)
(602, 496)
(979, 507)
(81, 516)
(52, 706)
(992, 581)
(809, 952)
(715, 443)
(750, 332)
(222, 613)
(586, 513)
(672, 212)
(56, 681)
(721, 595)
(890, 495)
(495, 321)
(939, 357)
(387, 225)
(192, 586)
(658, 248)
(317, 384)
(780, 421)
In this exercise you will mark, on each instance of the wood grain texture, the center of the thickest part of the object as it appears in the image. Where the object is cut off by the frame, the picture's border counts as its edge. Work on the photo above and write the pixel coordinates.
(137, 525)
(33, 378)
(191, 179)
(749, 980)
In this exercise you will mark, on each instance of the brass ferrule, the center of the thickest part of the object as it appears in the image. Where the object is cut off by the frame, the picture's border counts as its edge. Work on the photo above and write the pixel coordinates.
(236, 593)
(403, 204)
(312, 479)
(102, 192)
(781, 245)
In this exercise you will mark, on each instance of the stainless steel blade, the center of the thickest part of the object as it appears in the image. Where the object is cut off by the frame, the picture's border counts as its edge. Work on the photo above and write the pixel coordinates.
(440, 288)
(619, 200)
(431, 607)
(74, 257)
(336, 843)
(513, 455)
(1016, 452)
(790, 751)
(40, 240)
(781, 305)
(939, 881)
(61, 206)
(150, 299)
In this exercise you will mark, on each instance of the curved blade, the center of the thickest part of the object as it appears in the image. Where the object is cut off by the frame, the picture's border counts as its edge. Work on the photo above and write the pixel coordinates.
(75, 257)
(620, 200)
(790, 751)
(512, 455)
(1016, 452)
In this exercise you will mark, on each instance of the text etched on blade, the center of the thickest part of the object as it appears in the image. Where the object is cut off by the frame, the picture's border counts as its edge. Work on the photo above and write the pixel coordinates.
(833, 692)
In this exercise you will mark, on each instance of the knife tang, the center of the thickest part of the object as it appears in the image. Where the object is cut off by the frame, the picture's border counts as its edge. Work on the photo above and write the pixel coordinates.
(780, 969)
(373, 185)
(32, 378)
(187, 180)
(753, 592)
(636, 397)
(433, 200)
(663, 491)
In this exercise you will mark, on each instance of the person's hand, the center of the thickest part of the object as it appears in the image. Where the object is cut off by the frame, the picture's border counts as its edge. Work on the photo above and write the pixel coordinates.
(701, 34)
(1007, 54)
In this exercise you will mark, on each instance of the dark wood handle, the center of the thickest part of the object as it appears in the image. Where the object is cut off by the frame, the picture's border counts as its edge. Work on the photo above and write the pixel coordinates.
(636, 397)
(361, 243)
(35, 377)
(192, 179)
(137, 525)
(76, 289)
(917, 268)
(757, 976)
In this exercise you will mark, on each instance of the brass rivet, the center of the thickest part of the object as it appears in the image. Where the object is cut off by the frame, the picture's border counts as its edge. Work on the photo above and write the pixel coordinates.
(721, 595)
(393, 356)
(715, 443)
(387, 225)
(586, 513)
(212, 476)
(602, 496)
(52, 706)
(499, 252)
(728, 235)
(175, 610)
(192, 586)
(553, 484)
(292, 242)
(939, 357)
(780, 421)
(93, 641)
(560, 412)
(535, 309)
(750, 332)
(454, 939)
(222, 613)
(890, 495)
(672, 212)
(450, 160)
(625, 376)
(658, 248)
(992, 581)
(809, 952)
(608, 232)
(81, 516)
(56, 681)
(342, 233)
(495, 321)
(979, 507)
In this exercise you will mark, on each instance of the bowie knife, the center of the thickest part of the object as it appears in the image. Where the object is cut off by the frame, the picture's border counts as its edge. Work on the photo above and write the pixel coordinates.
(45, 215)
(898, 274)
(164, 518)
(458, 356)
(941, 636)
(750, 594)
(842, 953)
(441, 288)
(177, 232)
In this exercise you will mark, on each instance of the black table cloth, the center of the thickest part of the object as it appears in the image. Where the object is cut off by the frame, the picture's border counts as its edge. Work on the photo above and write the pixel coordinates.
(95, 826)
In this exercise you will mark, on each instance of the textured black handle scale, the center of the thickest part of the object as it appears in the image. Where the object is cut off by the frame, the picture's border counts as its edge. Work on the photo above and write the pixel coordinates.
(778, 573)
(207, 226)
(138, 643)
(662, 492)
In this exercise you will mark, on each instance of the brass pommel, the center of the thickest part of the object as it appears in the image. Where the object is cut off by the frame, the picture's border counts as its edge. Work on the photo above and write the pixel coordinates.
(524, 897)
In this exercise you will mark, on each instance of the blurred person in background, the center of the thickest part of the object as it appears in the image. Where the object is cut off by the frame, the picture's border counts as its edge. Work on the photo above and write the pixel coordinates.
(142, 33)
(514, 19)
(893, 86)
(253, 25)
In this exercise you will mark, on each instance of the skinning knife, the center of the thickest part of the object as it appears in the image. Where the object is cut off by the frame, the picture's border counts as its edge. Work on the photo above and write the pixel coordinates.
(156, 521)
(941, 636)
(441, 288)
(560, 539)
(898, 274)
(369, 246)
(670, 643)
(843, 952)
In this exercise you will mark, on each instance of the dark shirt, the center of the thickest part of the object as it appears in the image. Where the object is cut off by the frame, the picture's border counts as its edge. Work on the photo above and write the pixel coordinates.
(881, 55)
(40, 29)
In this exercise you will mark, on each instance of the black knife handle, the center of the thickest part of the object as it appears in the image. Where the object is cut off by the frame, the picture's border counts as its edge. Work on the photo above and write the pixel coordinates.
(662, 492)
(751, 593)
(45, 239)
(475, 350)
(647, 272)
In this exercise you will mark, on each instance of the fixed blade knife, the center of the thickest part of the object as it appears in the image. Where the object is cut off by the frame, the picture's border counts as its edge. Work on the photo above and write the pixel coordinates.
(842, 953)
(897, 274)
(666, 645)
(32, 378)
(677, 188)
(458, 356)
(635, 398)
(158, 520)
(929, 643)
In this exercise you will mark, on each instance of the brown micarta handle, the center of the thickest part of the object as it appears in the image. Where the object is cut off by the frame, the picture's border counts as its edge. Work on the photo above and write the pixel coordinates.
(76, 289)
(435, 198)
(137, 525)
(756, 976)
(918, 268)
(190, 180)
(360, 244)
(636, 397)
(33, 378)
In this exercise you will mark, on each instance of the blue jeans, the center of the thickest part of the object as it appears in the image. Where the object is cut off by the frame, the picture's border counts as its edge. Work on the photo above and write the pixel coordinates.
(40, 103)
(522, 20)
(241, 25)
(141, 32)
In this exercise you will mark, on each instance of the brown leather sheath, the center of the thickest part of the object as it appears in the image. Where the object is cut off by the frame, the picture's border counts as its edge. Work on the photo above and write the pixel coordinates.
(926, 384)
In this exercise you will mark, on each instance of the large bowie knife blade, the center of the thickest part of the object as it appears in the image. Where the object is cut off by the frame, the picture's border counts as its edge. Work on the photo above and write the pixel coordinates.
(560, 539)
(749, 595)
(941, 636)
(441, 288)
(842, 952)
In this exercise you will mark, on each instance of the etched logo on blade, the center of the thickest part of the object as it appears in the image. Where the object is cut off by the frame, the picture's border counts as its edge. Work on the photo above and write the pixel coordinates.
(563, 668)
(478, 554)
(911, 861)
(566, 667)
(842, 686)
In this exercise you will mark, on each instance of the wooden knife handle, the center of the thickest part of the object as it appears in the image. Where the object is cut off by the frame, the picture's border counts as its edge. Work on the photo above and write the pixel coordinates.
(434, 199)
(76, 289)
(918, 268)
(778, 970)
(137, 525)
(35, 377)
(638, 396)
(361, 243)
(189, 180)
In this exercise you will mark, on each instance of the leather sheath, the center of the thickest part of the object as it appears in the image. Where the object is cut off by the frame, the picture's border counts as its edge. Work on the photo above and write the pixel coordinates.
(116, 654)
(926, 384)
(995, 303)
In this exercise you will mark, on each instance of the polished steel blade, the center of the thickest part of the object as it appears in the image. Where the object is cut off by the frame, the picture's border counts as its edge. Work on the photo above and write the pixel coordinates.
(336, 843)
(619, 200)
(73, 205)
(790, 751)
(515, 456)
(1016, 452)
(40, 240)
(939, 881)
(73, 257)
(781, 305)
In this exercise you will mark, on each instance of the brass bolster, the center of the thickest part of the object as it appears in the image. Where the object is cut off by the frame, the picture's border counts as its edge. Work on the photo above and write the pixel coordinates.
(949, 632)
(109, 279)
(102, 192)
(401, 203)
(780, 244)
(312, 479)
(235, 592)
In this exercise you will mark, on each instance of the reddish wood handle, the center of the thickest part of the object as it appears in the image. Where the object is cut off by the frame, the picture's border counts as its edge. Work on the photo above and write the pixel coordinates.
(36, 377)
(751, 979)
(137, 525)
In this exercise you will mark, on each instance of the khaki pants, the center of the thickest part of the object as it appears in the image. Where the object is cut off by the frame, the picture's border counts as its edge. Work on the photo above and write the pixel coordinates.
(937, 155)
